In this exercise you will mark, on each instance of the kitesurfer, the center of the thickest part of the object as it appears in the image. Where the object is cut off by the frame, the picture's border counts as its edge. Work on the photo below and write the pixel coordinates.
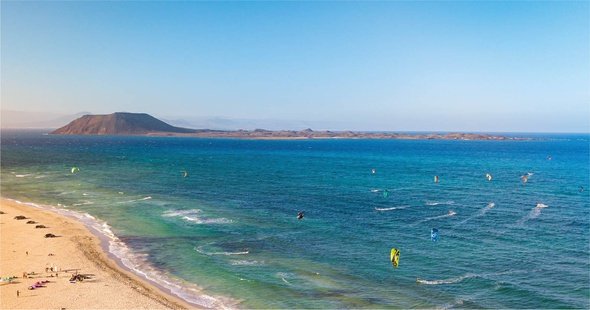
(385, 193)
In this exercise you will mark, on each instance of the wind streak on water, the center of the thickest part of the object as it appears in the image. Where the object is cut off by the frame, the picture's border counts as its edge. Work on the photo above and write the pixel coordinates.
(478, 214)
(534, 213)
(451, 213)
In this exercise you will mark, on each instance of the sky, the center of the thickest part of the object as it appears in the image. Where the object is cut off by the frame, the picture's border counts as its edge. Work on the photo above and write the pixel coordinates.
(495, 66)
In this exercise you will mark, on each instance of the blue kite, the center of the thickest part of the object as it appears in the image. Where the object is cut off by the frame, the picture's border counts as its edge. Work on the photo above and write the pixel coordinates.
(434, 234)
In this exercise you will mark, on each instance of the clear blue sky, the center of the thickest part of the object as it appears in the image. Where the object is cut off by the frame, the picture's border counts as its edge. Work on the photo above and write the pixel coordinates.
(473, 66)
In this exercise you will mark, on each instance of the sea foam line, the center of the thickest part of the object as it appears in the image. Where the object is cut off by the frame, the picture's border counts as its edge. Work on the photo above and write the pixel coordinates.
(247, 263)
(23, 175)
(469, 276)
(136, 200)
(447, 281)
(391, 208)
(192, 215)
(138, 263)
(200, 250)
(85, 202)
(436, 203)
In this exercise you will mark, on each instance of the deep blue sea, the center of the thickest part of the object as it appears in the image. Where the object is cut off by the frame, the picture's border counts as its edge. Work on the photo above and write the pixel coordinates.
(227, 233)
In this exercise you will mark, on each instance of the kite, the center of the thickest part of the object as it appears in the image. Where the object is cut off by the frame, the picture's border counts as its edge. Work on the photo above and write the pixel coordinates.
(395, 257)
(434, 234)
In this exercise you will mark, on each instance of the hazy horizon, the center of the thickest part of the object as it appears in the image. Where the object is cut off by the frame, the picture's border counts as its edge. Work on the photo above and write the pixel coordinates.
(365, 66)
(222, 123)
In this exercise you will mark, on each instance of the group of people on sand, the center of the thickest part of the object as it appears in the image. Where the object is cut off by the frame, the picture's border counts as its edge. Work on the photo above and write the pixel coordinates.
(52, 270)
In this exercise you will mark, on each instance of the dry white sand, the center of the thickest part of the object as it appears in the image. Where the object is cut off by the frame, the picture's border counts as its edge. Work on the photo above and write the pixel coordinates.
(75, 250)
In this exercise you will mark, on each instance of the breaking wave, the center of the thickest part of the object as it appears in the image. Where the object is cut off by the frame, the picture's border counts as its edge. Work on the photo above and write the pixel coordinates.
(136, 200)
(436, 203)
(446, 281)
(247, 263)
(86, 202)
(200, 250)
(139, 264)
(193, 216)
(390, 209)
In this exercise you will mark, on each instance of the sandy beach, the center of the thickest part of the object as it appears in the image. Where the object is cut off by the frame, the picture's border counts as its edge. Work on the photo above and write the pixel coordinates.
(75, 250)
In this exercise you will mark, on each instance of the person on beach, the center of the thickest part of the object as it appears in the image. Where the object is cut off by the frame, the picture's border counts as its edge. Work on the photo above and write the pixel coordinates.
(17, 293)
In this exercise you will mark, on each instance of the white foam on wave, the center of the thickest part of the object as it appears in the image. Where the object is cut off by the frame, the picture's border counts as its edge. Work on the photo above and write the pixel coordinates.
(375, 190)
(66, 193)
(200, 250)
(193, 216)
(533, 214)
(84, 203)
(135, 200)
(391, 208)
(284, 275)
(458, 302)
(447, 281)
(40, 176)
(436, 203)
(23, 175)
(458, 279)
(449, 214)
(138, 263)
(247, 263)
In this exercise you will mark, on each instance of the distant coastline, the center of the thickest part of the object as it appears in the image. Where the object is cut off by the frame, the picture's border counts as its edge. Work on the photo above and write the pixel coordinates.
(262, 134)
(123, 123)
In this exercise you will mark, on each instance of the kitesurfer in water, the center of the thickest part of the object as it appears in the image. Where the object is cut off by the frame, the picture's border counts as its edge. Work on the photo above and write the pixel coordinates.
(300, 215)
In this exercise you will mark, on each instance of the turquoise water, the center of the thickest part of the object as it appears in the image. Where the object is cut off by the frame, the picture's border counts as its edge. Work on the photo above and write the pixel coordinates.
(230, 227)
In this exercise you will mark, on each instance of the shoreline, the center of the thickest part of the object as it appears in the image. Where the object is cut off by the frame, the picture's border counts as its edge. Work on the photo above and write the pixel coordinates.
(83, 241)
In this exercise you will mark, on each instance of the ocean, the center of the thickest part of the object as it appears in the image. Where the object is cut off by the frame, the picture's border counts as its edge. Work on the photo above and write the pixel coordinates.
(226, 233)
